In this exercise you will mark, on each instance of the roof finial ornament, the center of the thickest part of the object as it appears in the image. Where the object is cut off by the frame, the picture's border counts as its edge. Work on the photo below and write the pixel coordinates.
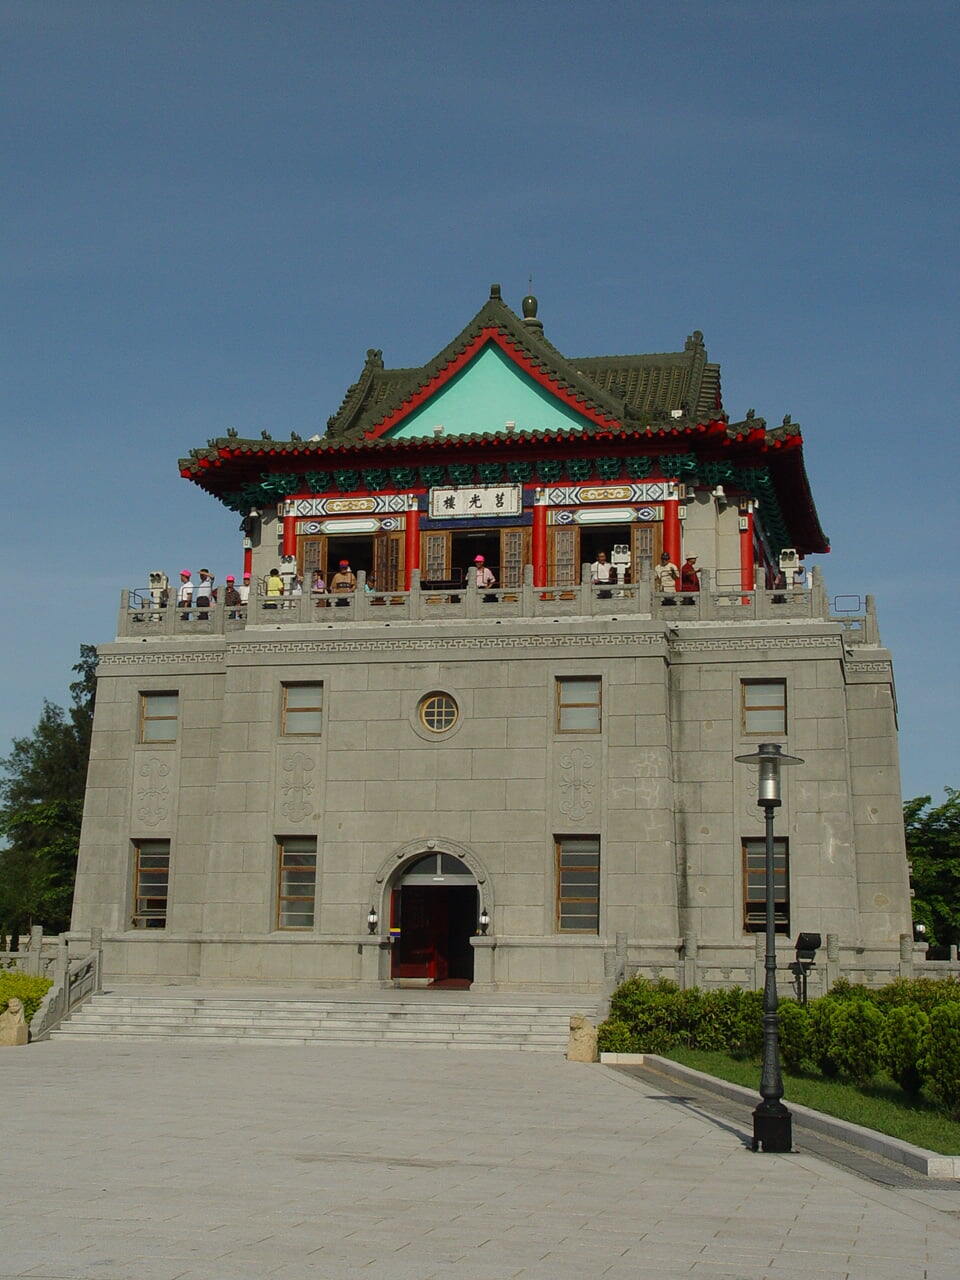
(494, 293)
(529, 308)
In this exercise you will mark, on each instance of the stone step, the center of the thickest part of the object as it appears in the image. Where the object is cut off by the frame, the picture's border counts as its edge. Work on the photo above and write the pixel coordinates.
(382, 1042)
(540, 1024)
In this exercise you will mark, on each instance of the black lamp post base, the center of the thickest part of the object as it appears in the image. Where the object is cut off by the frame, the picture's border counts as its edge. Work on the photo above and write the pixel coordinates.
(772, 1127)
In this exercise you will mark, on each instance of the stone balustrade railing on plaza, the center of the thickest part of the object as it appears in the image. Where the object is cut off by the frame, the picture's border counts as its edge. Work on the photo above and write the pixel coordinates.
(140, 616)
(74, 968)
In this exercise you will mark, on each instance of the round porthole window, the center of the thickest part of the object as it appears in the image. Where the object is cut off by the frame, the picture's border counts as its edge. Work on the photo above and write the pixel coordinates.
(438, 712)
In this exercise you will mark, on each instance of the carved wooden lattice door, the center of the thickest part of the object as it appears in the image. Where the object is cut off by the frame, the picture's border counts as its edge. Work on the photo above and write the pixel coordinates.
(645, 553)
(388, 562)
(435, 557)
(514, 553)
(311, 554)
(565, 569)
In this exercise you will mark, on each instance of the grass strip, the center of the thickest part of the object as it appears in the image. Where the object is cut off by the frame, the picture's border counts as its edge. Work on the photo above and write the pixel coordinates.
(881, 1105)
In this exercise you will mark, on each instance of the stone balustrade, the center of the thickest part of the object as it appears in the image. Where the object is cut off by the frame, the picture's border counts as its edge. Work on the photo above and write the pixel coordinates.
(140, 617)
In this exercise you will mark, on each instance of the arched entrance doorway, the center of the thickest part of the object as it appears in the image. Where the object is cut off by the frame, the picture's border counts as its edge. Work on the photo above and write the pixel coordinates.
(434, 905)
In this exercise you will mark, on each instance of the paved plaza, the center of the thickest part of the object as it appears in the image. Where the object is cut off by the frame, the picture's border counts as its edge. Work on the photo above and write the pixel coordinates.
(155, 1161)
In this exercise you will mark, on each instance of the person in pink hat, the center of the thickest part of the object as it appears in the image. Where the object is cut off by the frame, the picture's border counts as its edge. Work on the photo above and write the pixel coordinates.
(231, 596)
(185, 592)
(485, 576)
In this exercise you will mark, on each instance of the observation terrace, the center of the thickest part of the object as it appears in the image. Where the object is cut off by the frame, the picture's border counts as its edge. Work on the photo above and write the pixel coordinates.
(141, 617)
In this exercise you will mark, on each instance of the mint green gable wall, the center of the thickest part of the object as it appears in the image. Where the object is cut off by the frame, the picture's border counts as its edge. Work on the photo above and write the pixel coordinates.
(485, 394)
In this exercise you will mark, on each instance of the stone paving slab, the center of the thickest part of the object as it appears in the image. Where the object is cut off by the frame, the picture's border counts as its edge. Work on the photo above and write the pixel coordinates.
(205, 1162)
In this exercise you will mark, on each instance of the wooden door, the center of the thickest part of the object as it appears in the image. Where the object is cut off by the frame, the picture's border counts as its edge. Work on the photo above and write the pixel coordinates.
(388, 562)
(514, 554)
(311, 554)
(647, 543)
(563, 569)
(435, 556)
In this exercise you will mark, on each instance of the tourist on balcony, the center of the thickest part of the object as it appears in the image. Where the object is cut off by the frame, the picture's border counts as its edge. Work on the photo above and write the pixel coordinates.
(689, 579)
(485, 577)
(274, 589)
(244, 589)
(185, 593)
(343, 581)
(666, 576)
(602, 572)
(231, 596)
(205, 593)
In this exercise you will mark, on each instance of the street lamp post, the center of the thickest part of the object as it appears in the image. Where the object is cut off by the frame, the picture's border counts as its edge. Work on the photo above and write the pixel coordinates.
(772, 1125)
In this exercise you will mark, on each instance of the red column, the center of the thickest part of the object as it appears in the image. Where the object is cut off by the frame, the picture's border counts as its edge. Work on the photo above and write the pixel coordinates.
(671, 530)
(289, 535)
(247, 557)
(747, 566)
(539, 547)
(411, 545)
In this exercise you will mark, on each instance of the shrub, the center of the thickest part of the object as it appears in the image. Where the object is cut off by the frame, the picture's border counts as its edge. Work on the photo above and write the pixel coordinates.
(654, 1011)
(820, 1051)
(794, 1034)
(30, 990)
(923, 993)
(942, 1058)
(903, 1045)
(857, 1027)
(751, 1025)
(719, 1020)
(844, 990)
(615, 1037)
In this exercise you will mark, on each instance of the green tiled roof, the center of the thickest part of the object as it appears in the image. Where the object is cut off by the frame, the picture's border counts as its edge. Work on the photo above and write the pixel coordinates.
(623, 387)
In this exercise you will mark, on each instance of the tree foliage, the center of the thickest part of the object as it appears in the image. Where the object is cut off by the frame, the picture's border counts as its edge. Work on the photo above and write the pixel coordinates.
(41, 805)
(933, 847)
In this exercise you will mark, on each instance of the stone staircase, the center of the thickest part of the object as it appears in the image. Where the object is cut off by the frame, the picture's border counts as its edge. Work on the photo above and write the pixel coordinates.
(441, 1019)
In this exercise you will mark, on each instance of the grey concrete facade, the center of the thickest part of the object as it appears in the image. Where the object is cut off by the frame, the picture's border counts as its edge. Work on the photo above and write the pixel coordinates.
(657, 785)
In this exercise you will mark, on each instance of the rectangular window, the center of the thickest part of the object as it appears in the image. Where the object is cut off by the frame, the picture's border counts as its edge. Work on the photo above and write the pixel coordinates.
(763, 706)
(302, 709)
(578, 884)
(578, 704)
(296, 882)
(151, 881)
(755, 885)
(158, 717)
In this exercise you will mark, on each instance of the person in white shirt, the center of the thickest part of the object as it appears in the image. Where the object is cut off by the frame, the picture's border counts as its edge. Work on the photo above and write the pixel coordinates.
(244, 590)
(185, 593)
(602, 572)
(665, 576)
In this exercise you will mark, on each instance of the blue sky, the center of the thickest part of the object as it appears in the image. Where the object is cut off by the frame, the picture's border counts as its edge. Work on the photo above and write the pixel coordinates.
(212, 209)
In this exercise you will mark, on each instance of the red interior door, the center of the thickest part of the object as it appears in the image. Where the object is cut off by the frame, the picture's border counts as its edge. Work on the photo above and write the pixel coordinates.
(421, 950)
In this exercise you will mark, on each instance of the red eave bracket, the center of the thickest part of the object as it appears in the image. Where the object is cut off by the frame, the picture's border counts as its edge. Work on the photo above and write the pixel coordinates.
(519, 358)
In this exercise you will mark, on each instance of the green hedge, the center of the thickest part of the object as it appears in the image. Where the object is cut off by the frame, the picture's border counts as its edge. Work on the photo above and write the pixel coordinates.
(910, 1028)
(30, 990)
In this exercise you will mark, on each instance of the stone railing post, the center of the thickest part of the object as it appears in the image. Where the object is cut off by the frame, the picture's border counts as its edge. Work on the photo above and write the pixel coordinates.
(471, 603)
(871, 631)
(361, 601)
(642, 595)
(34, 965)
(587, 598)
(526, 592)
(620, 955)
(833, 961)
(906, 955)
(690, 948)
(759, 956)
(414, 598)
(818, 595)
(96, 946)
(708, 605)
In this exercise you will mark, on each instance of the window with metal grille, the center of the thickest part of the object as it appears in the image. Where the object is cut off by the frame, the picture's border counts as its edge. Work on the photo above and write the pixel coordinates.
(158, 717)
(763, 706)
(578, 704)
(755, 885)
(578, 884)
(438, 712)
(301, 709)
(151, 882)
(296, 882)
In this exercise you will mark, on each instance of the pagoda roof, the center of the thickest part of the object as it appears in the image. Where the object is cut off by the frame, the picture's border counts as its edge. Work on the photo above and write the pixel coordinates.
(664, 403)
(605, 388)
